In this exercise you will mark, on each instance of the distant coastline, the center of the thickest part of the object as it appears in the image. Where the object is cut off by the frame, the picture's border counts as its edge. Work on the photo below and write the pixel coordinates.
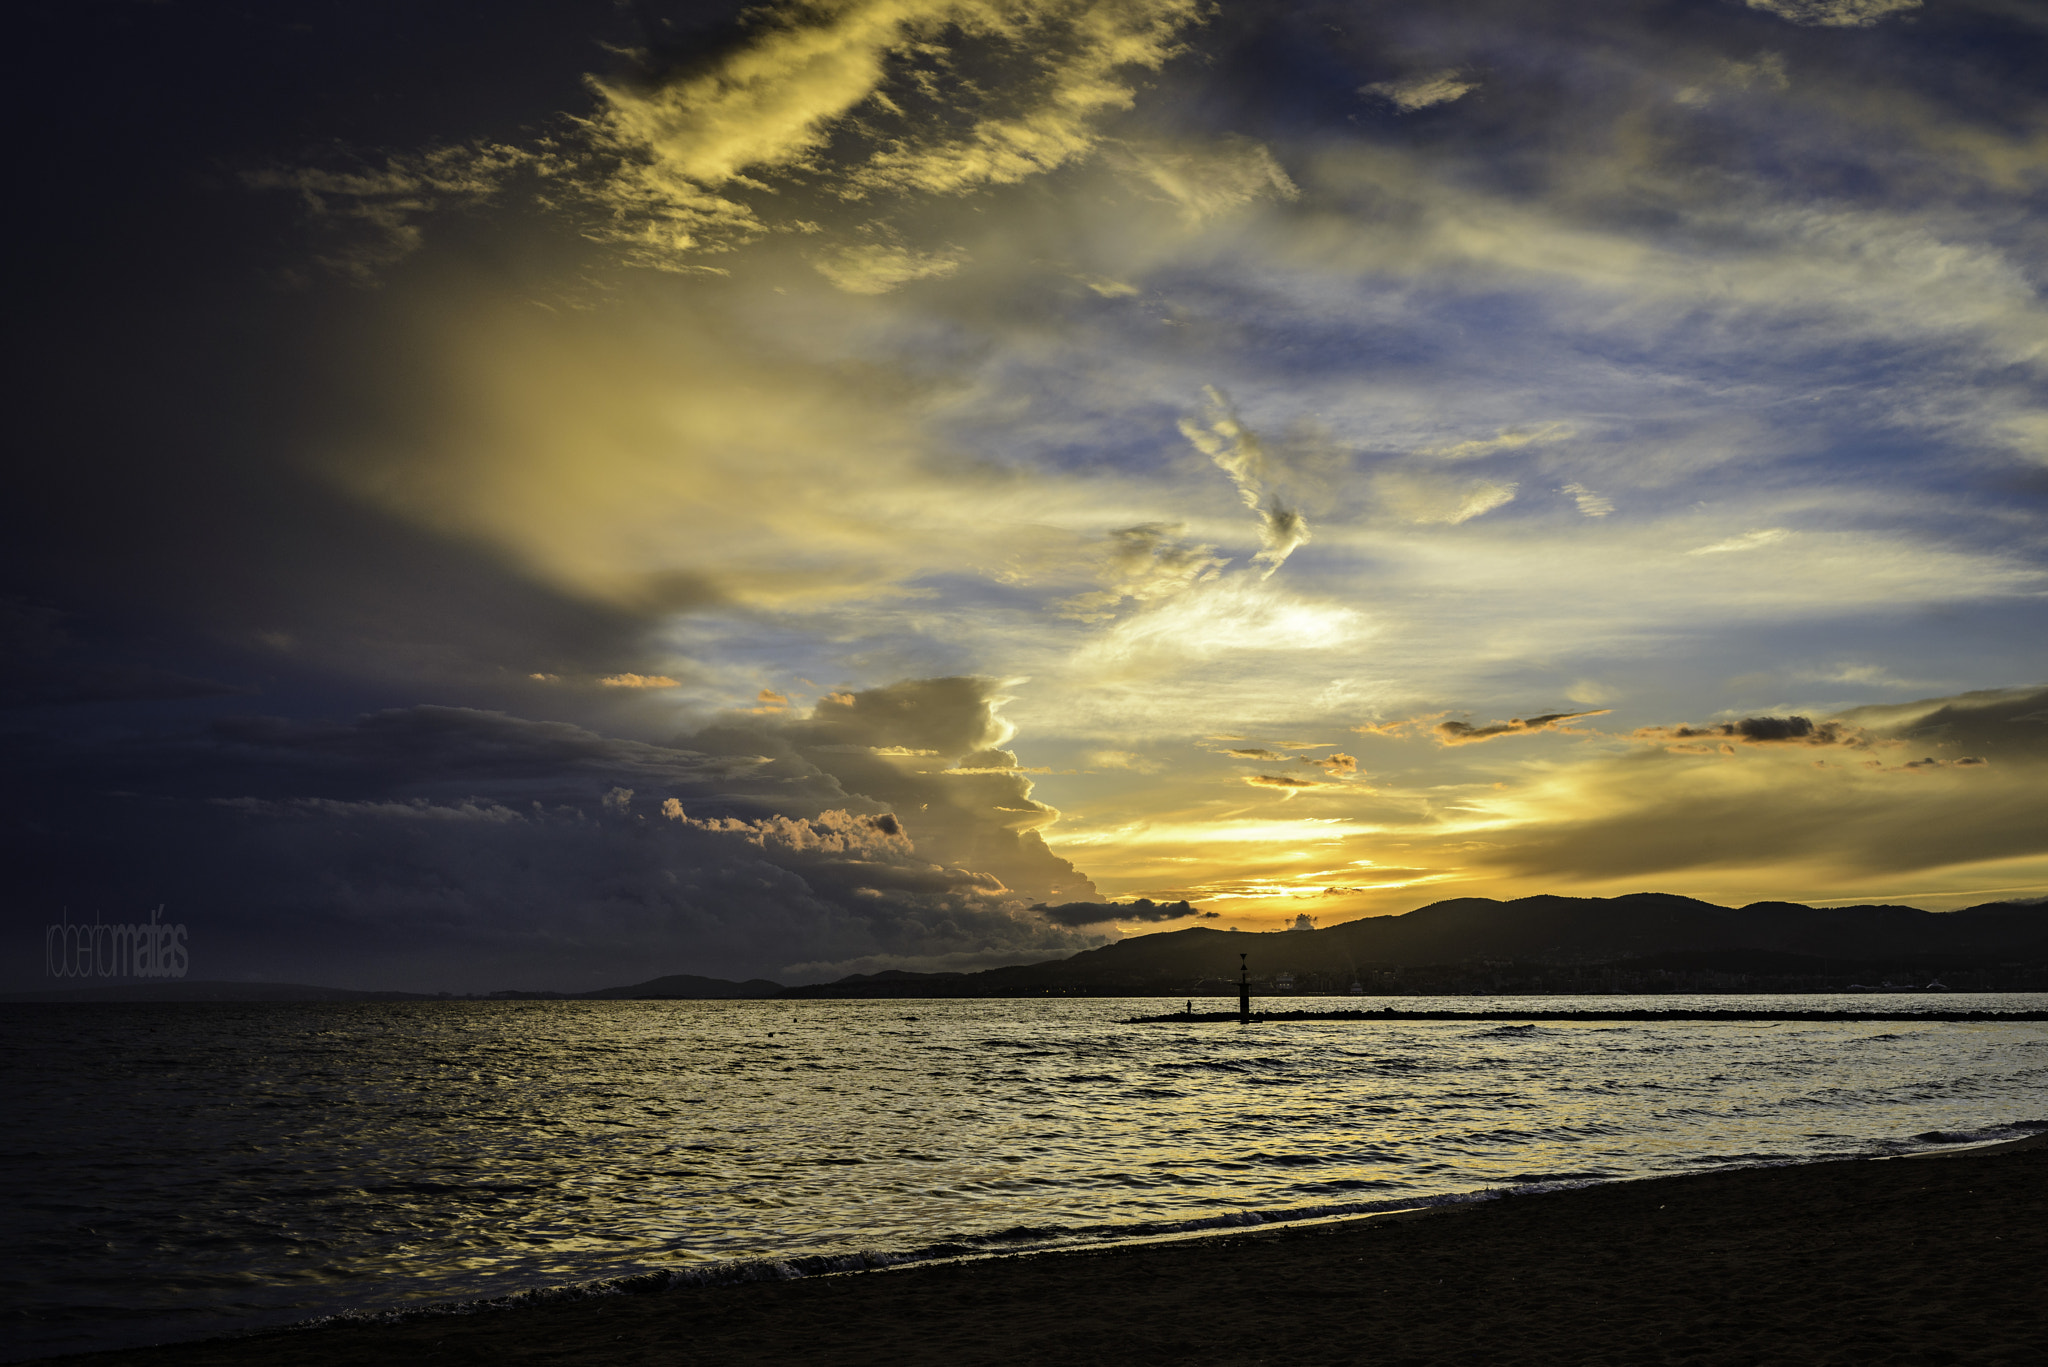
(1642, 944)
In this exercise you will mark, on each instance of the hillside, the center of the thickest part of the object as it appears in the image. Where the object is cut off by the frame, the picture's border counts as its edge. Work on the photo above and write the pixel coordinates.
(1543, 943)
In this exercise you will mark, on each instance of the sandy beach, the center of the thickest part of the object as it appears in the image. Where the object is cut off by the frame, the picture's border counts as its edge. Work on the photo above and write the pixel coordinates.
(1933, 1259)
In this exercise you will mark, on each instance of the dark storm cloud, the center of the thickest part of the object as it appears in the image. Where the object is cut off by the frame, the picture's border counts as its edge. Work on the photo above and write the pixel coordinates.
(428, 748)
(1144, 909)
(178, 395)
(474, 894)
(42, 664)
(452, 847)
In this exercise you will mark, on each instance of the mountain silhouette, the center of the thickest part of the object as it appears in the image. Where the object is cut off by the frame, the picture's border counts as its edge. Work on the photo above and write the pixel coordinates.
(1646, 932)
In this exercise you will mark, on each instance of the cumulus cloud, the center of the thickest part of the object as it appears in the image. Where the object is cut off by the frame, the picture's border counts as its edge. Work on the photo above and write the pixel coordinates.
(1337, 765)
(868, 836)
(1464, 733)
(1410, 93)
(1142, 910)
(638, 681)
(1255, 753)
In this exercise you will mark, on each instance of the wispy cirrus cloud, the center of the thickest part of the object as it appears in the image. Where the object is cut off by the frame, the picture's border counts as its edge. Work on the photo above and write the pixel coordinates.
(1834, 13)
(1240, 453)
(840, 101)
(1421, 91)
(1748, 541)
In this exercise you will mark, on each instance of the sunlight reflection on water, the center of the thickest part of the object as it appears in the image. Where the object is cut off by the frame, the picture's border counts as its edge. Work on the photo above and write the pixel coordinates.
(176, 1171)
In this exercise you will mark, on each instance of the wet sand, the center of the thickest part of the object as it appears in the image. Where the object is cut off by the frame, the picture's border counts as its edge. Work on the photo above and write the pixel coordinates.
(1939, 1259)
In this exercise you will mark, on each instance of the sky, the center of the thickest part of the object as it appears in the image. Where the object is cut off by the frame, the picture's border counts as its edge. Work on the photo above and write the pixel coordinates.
(547, 495)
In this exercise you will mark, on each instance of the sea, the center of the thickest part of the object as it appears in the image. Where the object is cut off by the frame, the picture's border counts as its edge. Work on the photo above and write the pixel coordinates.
(172, 1172)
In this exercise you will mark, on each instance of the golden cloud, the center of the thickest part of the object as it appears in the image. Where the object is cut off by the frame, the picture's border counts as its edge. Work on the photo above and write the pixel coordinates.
(1464, 733)
(685, 146)
(769, 703)
(1793, 730)
(879, 269)
(1286, 783)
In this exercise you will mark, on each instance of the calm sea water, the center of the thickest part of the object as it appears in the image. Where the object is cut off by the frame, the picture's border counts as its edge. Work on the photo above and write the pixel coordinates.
(181, 1171)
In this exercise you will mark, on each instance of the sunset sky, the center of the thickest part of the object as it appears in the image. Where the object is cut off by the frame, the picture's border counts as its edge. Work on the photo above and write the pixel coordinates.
(548, 495)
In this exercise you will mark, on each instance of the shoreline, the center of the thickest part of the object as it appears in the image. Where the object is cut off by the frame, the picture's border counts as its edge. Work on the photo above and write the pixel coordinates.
(1644, 1016)
(1833, 1260)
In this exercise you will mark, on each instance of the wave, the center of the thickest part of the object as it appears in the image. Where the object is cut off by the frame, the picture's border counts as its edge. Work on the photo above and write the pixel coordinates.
(1001, 1243)
(1031, 1239)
